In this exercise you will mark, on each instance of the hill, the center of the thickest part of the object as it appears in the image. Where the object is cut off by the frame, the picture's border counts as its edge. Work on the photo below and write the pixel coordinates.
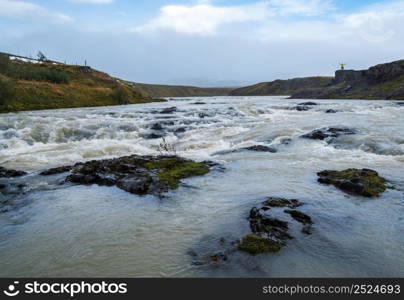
(383, 81)
(28, 84)
(282, 87)
(156, 90)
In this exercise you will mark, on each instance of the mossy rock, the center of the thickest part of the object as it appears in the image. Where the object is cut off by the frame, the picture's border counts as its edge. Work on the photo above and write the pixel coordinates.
(254, 244)
(172, 170)
(299, 216)
(282, 202)
(138, 174)
(363, 182)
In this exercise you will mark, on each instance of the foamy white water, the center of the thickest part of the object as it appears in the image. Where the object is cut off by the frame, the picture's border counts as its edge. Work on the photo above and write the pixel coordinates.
(66, 230)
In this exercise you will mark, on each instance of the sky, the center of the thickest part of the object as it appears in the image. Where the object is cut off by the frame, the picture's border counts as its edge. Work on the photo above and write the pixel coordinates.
(207, 42)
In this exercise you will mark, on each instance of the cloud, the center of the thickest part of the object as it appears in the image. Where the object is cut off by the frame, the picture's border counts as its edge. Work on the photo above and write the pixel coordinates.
(246, 43)
(205, 18)
(301, 7)
(377, 23)
(202, 18)
(25, 10)
(93, 1)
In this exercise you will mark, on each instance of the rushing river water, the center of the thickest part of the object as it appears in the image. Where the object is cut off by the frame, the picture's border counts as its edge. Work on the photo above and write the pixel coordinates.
(53, 229)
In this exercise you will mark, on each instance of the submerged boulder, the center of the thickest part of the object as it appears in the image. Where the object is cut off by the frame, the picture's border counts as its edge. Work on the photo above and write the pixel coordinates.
(168, 110)
(156, 126)
(308, 103)
(282, 202)
(327, 133)
(264, 225)
(11, 173)
(139, 175)
(260, 148)
(299, 216)
(302, 108)
(153, 135)
(57, 170)
(180, 130)
(255, 244)
(363, 182)
(270, 234)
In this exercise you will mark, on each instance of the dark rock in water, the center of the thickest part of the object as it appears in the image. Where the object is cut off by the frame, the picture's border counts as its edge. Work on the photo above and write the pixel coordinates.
(167, 123)
(262, 224)
(11, 173)
(299, 216)
(400, 103)
(138, 185)
(156, 126)
(255, 244)
(363, 182)
(12, 188)
(169, 110)
(257, 148)
(331, 111)
(260, 148)
(180, 130)
(302, 108)
(150, 136)
(328, 132)
(199, 103)
(202, 115)
(57, 170)
(270, 234)
(308, 103)
(282, 202)
(213, 251)
(218, 257)
(136, 174)
(307, 229)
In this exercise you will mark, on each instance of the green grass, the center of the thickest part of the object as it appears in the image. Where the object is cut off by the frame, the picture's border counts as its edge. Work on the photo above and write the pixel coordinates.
(49, 86)
(172, 170)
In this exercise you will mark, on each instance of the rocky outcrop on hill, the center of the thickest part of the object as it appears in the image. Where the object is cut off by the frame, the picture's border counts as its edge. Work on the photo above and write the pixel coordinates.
(384, 81)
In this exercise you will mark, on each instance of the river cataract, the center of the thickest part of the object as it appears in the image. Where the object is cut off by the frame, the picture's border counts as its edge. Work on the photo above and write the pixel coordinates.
(49, 227)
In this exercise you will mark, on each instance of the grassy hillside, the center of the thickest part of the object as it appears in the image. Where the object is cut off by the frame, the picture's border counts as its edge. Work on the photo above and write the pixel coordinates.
(281, 87)
(155, 90)
(30, 86)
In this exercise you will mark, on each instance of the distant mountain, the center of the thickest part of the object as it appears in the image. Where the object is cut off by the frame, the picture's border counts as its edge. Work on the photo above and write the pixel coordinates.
(383, 81)
(282, 87)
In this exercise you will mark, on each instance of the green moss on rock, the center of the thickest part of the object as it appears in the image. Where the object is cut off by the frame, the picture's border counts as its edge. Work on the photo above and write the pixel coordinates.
(364, 182)
(137, 174)
(254, 244)
(172, 170)
(282, 202)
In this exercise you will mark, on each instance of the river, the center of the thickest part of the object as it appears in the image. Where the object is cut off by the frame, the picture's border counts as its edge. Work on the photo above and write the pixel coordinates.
(64, 230)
